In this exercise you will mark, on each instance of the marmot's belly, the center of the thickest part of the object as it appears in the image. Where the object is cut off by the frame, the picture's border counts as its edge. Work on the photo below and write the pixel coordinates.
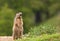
(18, 29)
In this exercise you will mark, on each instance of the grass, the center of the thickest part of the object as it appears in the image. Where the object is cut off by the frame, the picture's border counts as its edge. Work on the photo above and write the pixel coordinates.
(44, 37)
(49, 27)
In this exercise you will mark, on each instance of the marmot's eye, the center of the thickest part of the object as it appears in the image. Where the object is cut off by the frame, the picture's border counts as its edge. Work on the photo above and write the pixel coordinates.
(20, 14)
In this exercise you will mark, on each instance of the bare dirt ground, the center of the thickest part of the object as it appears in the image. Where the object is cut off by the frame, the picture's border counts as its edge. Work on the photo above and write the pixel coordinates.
(6, 38)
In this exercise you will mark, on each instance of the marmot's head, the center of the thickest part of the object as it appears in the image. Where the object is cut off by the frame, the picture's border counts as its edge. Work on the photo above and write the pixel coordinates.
(19, 15)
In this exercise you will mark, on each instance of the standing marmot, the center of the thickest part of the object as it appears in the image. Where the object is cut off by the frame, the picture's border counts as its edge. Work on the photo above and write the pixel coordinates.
(18, 26)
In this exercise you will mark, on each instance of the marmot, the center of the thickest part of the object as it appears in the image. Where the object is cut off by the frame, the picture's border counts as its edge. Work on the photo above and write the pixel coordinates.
(18, 26)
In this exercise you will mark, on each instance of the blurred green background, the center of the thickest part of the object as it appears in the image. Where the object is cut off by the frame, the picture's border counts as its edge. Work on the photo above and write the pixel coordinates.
(35, 15)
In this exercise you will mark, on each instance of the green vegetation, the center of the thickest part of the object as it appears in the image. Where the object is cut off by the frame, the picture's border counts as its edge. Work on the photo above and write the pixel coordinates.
(48, 27)
(44, 37)
(6, 20)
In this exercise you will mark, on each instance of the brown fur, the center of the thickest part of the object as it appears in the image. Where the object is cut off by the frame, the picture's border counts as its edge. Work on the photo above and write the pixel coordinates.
(18, 27)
